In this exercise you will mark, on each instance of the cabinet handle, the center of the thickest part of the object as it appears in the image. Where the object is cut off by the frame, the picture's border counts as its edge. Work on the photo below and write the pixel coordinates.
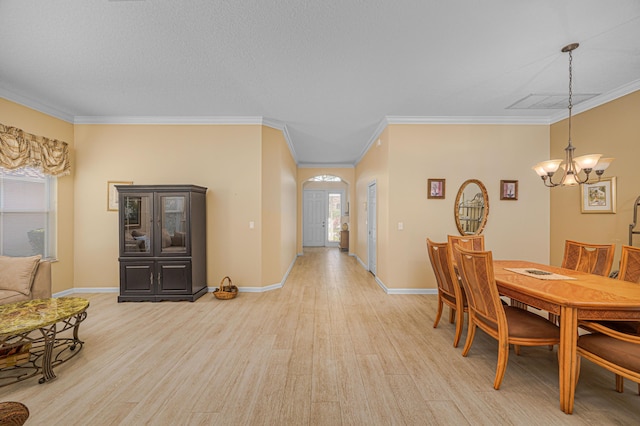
(150, 278)
(158, 277)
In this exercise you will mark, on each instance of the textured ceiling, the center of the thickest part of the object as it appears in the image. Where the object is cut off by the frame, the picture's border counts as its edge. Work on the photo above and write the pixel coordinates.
(330, 73)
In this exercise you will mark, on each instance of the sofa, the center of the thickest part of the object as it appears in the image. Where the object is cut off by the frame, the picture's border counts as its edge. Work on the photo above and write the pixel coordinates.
(138, 241)
(24, 278)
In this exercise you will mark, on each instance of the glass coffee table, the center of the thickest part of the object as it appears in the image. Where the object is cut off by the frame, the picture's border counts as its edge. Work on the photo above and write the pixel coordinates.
(33, 339)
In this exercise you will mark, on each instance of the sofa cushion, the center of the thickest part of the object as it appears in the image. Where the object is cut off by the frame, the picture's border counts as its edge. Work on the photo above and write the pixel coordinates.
(8, 296)
(166, 239)
(178, 239)
(18, 272)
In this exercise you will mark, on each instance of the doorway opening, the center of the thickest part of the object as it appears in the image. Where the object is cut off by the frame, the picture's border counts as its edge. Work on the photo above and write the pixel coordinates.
(324, 211)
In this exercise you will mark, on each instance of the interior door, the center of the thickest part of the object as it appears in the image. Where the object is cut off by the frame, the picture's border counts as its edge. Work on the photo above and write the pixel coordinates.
(371, 227)
(314, 218)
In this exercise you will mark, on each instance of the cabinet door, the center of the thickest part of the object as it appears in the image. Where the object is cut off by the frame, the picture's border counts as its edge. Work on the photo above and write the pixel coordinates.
(136, 277)
(136, 224)
(173, 211)
(174, 276)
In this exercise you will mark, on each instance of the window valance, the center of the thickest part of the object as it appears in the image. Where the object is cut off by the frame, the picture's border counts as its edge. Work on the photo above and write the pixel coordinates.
(22, 149)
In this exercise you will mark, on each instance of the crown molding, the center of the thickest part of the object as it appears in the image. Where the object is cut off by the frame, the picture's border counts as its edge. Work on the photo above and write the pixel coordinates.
(612, 95)
(325, 166)
(466, 120)
(374, 137)
(125, 119)
(36, 105)
(279, 125)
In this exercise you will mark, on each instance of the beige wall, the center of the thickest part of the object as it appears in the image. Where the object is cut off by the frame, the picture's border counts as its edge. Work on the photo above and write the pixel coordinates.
(224, 158)
(278, 207)
(306, 173)
(612, 129)
(37, 123)
(251, 176)
(408, 155)
(374, 167)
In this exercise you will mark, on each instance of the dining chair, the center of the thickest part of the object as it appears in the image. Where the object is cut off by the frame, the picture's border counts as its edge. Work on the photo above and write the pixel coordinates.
(507, 324)
(592, 258)
(472, 242)
(449, 289)
(629, 271)
(630, 264)
(617, 352)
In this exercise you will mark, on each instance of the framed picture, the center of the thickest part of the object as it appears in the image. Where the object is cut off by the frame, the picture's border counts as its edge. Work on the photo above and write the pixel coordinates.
(112, 194)
(435, 188)
(509, 190)
(599, 197)
(132, 212)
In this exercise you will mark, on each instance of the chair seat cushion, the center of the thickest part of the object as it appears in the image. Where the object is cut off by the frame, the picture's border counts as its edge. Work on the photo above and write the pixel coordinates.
(624, 354)
(628, 327)
(525, 324)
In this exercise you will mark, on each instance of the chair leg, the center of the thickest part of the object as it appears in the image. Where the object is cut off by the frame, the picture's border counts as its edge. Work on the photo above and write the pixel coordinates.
(619, 383)
(451, 315)
(516, 349)
(503, 358)
(459, 324)
(555, 319)
(471, 332)
(439, 313)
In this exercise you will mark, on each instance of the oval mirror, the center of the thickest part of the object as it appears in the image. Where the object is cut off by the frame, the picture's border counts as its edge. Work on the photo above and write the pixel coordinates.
(471, 207)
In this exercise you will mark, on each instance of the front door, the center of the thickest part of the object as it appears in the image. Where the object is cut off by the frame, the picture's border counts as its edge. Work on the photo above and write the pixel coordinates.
(314, 216)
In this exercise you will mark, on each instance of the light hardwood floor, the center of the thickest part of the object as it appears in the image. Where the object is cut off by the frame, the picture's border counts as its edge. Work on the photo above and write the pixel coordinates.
(329, 348)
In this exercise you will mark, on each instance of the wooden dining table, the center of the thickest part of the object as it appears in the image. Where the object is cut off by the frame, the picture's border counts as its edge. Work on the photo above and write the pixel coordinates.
(585, 297)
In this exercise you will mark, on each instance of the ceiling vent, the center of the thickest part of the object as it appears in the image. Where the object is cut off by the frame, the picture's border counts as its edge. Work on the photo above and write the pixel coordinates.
(550, 101)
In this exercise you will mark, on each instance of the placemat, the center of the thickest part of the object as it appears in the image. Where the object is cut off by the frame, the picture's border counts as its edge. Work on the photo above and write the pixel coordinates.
(539, 273)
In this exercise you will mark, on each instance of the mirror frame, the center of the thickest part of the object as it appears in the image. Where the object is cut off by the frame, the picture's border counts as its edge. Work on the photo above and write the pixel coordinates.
(456, 211)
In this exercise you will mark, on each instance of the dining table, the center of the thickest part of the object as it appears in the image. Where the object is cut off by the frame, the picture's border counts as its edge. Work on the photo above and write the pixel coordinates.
(573, 296)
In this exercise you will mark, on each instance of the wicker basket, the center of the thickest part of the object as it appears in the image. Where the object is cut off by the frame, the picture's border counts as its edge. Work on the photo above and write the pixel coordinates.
(225, 292)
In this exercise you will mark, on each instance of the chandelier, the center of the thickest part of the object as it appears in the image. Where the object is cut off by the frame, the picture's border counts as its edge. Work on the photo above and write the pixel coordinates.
(571, 165)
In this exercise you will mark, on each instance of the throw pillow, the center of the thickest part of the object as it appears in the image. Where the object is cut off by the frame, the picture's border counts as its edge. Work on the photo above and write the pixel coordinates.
(178, 239)
(166, 239)
(18, 272)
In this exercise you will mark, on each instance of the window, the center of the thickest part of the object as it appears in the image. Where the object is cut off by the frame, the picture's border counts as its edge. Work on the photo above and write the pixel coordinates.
(27, 213)
(325, 178)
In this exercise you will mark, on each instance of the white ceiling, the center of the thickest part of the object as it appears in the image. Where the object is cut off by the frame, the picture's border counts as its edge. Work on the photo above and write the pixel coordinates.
(330, 73)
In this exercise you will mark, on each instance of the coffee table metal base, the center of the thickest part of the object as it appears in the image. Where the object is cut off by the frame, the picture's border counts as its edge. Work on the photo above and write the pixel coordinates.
(48, 350)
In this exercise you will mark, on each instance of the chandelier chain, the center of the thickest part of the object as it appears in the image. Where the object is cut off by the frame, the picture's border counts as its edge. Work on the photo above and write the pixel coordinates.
(570, 91)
